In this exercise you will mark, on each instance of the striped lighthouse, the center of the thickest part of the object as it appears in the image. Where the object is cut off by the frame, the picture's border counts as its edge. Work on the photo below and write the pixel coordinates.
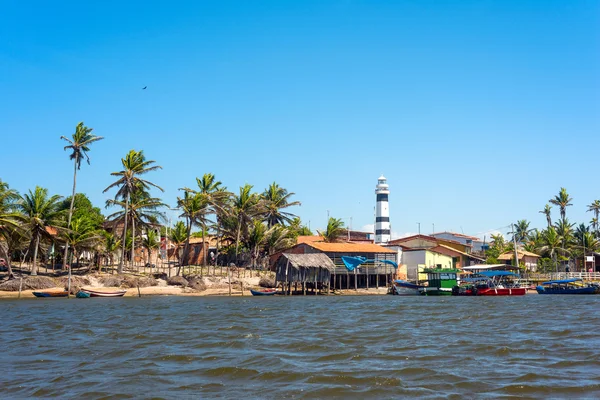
(382, 212)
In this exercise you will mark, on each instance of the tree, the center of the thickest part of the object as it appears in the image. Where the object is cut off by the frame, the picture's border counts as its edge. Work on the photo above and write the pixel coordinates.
(335, 229)
(111, 245)
(552, 244)
(595, 208)
(498, 247)
(562, 200)
(129, 181)
(81, 235)
(8, 223)
(546, 211)
(194, 208)
(276, 199)
(79, 146)
(83, 207)
(245, 207)
(39, 213)
(297, 229)
(256, 238)
(521, 230)
(150, 243)
(178, 236)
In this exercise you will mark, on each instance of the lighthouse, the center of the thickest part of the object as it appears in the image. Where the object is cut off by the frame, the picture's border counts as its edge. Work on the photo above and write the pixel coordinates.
(382, 212)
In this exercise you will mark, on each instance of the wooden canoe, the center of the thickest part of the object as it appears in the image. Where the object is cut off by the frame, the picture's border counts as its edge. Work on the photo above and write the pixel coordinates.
(97, 293)
(265, 292)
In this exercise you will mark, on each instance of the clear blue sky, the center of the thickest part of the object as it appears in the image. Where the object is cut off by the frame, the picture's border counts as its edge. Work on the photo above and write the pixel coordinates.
(477, 112)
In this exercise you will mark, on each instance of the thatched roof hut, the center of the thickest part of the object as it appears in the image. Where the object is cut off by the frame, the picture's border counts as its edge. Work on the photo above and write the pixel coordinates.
(293, 268)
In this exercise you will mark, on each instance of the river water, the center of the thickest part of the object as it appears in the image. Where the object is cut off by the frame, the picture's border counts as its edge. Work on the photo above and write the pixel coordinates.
(350, 347)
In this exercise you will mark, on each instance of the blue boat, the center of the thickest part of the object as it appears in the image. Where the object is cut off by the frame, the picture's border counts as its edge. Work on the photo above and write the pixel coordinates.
(567, 286)
(265, 292)
(82, 295)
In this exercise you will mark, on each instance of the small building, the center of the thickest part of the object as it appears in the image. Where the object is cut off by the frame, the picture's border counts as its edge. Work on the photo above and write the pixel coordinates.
(308, 270)
(527, 258)
(476, 244)
(417, 260)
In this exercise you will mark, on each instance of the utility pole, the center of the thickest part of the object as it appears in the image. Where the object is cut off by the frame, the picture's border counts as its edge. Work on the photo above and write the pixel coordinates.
(515, 244)
(419, 224)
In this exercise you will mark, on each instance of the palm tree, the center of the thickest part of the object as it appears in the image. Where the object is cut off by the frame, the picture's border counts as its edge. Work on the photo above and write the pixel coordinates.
(335, 229)
(277, 198)
(111, 245)
(297, 229)
(80, 235)
(178, 236)
(595, 208)
(552, 243)
(546, 211)
(143, 209)
(564, 229)
(521, 230)
(245, 207)
(8, 222)
(215, 196)
(39, 213)
(562, 200)
(134, 165)
(79, 145)
(594, 223)
(256, 238)
(194, 209)
(150, 242)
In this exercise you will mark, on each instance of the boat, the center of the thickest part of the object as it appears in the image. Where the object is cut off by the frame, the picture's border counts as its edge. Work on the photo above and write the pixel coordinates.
(82, 295)
(264, 292)
(490, 283)
(404, 288)
(51, 293)
(439, 282)
(567, 286)
(96, 293)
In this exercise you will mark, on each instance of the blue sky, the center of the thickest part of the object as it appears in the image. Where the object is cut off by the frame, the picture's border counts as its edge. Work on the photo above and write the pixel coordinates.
(477, 112)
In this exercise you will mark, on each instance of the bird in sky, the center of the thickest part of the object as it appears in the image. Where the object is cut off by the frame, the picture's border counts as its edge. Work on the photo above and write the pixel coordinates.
(144, 88)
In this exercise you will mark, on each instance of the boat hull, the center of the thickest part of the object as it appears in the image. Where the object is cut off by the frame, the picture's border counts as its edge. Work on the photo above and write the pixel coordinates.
(431, 291)
(502, 292)
(583, 290)
(263, 293)
(403, 288)
(51, 294)
(95, 293)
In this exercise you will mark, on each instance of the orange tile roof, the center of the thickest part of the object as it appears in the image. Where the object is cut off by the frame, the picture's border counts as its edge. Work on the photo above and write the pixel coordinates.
(346, 247)
(510, 254)
(309, 239)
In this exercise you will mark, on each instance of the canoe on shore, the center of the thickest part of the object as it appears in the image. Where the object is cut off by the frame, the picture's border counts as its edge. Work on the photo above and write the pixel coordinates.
(96, 293)
(51, 293)
(265, 292)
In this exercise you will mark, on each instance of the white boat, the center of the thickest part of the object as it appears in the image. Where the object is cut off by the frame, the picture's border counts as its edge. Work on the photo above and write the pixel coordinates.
(404, 288)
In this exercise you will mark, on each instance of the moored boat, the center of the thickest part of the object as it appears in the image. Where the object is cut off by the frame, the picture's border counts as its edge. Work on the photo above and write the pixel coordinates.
(439, 282)
(567, 286)
(97, 293)
(264, 292)
(82, 295)
(491, 283)
(404, 288)
(51, 293)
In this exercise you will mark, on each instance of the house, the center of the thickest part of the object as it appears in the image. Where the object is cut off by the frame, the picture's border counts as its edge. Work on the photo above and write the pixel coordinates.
(308, 270)
(371, 274)
(527, 258)
(417, 260)
(459, 253)
(477, 245)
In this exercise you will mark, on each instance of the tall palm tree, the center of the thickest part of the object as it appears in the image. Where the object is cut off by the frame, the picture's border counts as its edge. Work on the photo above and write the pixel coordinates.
(81, 235)
(79, 145)
(178, 236)
(129, 181)
(335, 229)
(245, 206)
(564, 229)
(546, 211)
(562, 200)
(595, 208)
(594, 223)
(257, 236)
(111, 245)
(39, 212)
(276, 199)
(8, 222)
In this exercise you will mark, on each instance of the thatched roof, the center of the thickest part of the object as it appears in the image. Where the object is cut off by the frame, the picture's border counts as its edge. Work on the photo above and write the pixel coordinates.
(308, 260)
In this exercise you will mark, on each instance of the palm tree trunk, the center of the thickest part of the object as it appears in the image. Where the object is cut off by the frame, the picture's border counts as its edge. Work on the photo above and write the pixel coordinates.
(5, 255)
(203, 245)
(69, 220)
(237, 241)
(34, 269)
(186, 248)
(121, 261)
(132, 242)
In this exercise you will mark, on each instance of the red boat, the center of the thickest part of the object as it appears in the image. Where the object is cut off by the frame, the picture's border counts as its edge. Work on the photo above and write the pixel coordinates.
(490, 283)
(96, 293)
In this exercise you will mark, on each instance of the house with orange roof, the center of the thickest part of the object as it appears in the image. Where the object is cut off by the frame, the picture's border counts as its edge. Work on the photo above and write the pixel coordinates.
(526, 258)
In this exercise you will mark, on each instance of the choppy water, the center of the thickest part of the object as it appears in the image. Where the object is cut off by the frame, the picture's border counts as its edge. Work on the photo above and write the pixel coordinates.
(301, 347)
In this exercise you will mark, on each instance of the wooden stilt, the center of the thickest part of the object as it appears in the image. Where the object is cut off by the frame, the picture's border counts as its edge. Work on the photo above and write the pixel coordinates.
(355, 282)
